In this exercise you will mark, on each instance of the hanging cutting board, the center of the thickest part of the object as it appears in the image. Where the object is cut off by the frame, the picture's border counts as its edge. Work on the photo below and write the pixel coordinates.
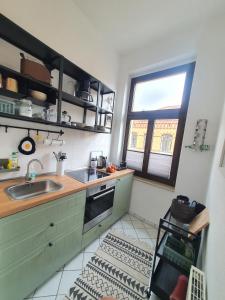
(199, 222)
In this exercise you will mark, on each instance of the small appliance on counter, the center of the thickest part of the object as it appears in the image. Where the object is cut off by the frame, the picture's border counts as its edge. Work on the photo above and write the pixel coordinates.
(102, 161)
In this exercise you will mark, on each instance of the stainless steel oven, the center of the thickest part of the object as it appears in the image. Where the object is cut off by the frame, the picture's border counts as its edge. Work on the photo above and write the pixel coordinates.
(99, 204)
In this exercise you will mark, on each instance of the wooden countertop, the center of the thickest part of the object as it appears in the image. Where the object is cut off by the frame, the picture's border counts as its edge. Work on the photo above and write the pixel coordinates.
(70, 186)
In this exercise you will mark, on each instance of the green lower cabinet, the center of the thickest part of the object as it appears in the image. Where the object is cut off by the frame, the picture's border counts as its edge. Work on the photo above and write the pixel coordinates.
(96, 231)
(90, 236)
(122, 196)
(28, 259)
(35, 243)
(20, 281)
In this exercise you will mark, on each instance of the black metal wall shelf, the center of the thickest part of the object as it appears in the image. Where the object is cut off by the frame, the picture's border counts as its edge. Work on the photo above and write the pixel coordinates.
(23, 40)
(40, 121)
(10, 94)
(30, 129)
(82, 103)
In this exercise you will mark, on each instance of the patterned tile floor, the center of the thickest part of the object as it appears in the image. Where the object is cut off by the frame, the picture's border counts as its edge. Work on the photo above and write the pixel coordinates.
(57, 286)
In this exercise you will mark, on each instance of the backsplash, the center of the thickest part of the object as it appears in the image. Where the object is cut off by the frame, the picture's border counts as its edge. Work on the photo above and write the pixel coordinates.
(78, 145)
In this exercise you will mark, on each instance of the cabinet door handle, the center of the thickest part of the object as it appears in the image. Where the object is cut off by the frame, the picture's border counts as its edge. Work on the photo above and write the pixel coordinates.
(52, 224)
(50, 244)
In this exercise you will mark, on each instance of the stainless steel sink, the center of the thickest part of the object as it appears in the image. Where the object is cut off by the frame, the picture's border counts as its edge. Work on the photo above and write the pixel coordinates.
(30, 190)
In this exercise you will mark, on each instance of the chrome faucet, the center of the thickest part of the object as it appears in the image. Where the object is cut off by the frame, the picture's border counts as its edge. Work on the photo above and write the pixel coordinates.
(28, 177)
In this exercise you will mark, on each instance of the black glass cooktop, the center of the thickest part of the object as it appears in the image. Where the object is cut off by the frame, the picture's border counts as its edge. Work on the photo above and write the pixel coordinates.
(85, 175)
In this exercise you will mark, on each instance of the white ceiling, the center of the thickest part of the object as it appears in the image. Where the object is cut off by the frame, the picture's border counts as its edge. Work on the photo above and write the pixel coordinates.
(129, 24)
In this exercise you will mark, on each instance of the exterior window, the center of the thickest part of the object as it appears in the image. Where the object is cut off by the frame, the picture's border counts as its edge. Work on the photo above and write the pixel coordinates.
(166, 143)
(133, 140)
(155, 122)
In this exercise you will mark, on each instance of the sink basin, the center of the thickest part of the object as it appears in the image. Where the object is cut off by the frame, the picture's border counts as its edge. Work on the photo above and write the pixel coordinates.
(30, 190)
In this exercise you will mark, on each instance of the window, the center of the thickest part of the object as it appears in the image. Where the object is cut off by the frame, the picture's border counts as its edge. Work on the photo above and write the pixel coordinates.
(155, 122)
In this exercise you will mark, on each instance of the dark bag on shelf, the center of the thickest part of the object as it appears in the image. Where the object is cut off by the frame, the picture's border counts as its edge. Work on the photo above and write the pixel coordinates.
(181, 210)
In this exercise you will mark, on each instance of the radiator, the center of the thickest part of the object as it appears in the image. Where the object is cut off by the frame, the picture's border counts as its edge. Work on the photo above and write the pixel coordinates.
(196, 285)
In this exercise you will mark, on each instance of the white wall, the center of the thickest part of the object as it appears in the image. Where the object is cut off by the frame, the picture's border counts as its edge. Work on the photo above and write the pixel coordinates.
(215, 245)
(207, 46)
(63, 27)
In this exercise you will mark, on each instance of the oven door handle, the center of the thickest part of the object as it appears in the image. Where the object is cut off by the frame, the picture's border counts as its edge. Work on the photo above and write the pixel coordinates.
(103, 194)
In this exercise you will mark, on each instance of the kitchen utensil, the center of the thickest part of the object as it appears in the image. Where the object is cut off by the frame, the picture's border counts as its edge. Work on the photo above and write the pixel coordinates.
(27, 146)
(66, 118)
(38, 95)
(60, 157)
(12, 85)
(34, 69)
(53, 142)
(25, 108)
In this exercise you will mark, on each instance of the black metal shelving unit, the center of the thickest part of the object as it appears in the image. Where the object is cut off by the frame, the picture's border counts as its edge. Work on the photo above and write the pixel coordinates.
(23, 40)
(165, 271)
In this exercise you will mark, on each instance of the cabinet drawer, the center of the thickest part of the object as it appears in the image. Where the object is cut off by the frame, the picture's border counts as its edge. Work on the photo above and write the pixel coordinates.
(90, 236)
(19, 226)
(14, 253)
(105, 224)
(96, 231)
(22, 279)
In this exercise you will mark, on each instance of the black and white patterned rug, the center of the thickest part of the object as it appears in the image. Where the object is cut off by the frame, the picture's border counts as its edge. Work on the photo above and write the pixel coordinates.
(120, 268)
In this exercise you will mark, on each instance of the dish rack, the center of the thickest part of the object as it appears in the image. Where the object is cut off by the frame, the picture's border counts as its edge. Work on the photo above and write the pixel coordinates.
(196, 285)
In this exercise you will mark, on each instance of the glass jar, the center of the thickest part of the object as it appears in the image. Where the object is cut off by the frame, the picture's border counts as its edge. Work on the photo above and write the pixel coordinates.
(25, 108)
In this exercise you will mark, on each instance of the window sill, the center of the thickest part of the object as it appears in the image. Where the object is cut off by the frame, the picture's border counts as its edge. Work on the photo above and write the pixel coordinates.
(155, 184)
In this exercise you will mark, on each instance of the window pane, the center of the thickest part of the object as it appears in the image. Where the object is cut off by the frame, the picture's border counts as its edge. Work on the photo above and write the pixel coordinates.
(162, 93)
(136, 143)
(162, 146)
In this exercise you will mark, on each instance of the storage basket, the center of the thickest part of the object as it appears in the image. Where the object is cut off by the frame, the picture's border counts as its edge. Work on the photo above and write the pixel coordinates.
(182, 211)
(7, 107)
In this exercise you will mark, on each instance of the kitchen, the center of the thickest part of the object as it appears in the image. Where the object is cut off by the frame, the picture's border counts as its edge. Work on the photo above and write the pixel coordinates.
(65, 108)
